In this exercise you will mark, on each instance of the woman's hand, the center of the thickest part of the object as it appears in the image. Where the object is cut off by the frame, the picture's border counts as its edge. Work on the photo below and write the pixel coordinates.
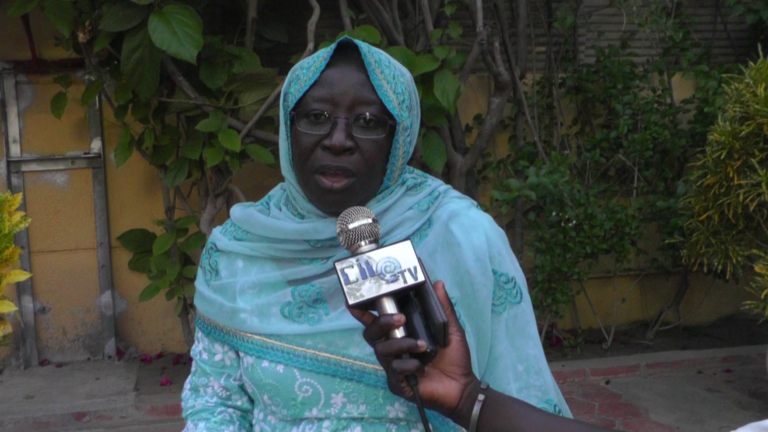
(447, 384)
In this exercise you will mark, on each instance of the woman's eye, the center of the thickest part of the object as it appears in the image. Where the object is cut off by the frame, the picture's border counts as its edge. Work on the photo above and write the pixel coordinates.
(367, 121)
(316, 116)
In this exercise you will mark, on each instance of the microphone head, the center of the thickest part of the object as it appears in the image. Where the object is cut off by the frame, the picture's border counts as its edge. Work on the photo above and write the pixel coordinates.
(357, 225)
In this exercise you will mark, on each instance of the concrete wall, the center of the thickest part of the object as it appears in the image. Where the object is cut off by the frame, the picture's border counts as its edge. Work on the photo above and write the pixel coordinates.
(62, 234)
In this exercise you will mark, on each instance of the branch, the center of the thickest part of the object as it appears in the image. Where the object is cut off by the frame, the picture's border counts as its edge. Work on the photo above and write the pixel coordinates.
(184, 202)
(187, 88)
(389, 26)
(260, 113)
(473, 54)
(311, 25)
(427, 16)
(250, 32)
(496, 104)
(191, 102)
(396, 18)
(454, 159)
(343, 5)
(238, 193)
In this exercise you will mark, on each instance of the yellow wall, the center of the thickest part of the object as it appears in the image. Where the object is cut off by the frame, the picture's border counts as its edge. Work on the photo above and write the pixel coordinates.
(62, 234)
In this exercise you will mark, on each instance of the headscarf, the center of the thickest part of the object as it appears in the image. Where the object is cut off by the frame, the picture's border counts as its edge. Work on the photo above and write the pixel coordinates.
(269, 269)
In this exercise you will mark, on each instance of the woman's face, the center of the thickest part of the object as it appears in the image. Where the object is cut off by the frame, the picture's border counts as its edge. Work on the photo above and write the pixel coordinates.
(338, 170)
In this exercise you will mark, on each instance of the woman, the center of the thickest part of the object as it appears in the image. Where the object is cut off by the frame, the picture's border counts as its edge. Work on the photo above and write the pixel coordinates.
(275, 348)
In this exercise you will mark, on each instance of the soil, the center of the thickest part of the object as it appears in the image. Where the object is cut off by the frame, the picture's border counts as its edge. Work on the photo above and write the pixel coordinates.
(740, 330)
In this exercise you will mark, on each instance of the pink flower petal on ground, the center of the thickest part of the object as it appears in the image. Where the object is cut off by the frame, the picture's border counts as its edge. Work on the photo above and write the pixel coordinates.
(159, 355)
(146, 359)
(165, 381)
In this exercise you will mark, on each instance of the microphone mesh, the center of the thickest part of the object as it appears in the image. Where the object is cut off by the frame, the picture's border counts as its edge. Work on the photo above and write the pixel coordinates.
(356, 225)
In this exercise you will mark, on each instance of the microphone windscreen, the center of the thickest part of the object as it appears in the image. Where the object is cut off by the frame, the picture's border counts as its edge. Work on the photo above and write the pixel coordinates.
(356, 225)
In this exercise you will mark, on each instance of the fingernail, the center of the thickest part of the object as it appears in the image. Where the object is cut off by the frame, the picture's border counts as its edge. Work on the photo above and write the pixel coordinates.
(422, 345)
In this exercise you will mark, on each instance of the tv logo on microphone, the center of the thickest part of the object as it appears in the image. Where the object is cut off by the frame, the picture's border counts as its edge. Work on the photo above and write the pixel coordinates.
(380, 272)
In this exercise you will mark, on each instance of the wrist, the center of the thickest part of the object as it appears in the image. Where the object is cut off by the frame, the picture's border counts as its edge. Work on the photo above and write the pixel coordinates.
(462, 413)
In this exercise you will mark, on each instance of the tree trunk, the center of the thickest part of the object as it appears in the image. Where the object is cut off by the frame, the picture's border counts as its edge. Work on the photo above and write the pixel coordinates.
(521, 28)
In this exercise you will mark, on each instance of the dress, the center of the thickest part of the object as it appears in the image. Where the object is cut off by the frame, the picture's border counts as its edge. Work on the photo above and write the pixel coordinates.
(275, 348)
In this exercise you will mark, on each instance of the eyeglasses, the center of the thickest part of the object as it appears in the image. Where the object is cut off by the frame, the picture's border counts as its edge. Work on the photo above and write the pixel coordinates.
(319, 122)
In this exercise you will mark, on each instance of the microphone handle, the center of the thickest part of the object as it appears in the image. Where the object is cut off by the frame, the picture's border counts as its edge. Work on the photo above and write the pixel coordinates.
(384, 306)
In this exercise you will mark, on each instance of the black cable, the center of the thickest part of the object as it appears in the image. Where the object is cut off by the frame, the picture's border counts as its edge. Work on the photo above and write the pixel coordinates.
(413, 382)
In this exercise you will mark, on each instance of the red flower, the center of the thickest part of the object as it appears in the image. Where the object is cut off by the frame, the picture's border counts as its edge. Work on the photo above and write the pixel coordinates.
(59, 365)
(120, 354)
(165, 381)
(159, 355)
(146, 359)
(177, 359)
(44, 363)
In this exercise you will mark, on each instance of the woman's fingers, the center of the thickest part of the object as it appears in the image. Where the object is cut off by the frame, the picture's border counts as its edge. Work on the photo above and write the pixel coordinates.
(379, 328)
(397, 347)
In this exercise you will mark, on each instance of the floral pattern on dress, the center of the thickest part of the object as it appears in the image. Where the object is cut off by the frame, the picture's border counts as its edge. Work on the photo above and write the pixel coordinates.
(307, 306)
(506, 291)
(231, 391)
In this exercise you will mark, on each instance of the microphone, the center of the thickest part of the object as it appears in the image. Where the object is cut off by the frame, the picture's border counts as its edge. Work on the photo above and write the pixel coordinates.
(359, 232)
(389, 279)
(393, 279)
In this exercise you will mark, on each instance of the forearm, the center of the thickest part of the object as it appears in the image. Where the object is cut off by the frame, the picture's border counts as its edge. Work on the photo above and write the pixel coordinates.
(503, 413)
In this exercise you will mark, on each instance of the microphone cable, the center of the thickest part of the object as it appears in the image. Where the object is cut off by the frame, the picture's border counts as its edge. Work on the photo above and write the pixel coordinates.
(413, 382)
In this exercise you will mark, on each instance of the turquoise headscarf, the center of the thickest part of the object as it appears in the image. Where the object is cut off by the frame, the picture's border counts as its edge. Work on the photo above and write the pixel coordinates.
(269, 269)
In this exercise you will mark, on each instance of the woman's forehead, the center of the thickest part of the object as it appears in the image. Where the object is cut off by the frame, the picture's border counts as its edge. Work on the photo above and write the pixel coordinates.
(344, 81)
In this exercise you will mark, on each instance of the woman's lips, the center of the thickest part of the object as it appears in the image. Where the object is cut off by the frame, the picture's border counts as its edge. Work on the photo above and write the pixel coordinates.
(334, 180)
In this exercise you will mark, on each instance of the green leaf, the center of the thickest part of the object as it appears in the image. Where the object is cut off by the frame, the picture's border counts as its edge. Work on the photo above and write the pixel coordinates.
(143, 2)
(260, 154)
(442, 51)
(61, 14)
(273, 30)
(123, 94)
(194, 242)
(20, 7)
(137, 240)
(248, 62)
(173, 270)
(189, 290)
(435, 35)
(163, 243)
(102, 40)
(140, 262)
(149, 139)
(447, 89)
(213, 73)
(456, 61)
(425, 63)
(450, 9)
(177, 172)
(124, 148)
(213, 155)
(230, 139)
(403, 55)
(91, 92)
(366, 33)
(59, 104)
(186, 221)
(140, 62)
(193, 147)
(161, 154)
(234, 164)
(434, 115)
(153, 289)
(122, 16)
(178, 30)
(121, 112)
(64, 80)
(455, 30)
(216, 122)
(179, 306)
(433, 151)
(189, 272)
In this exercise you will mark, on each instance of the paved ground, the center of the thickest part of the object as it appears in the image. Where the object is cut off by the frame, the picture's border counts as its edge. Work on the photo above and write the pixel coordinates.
(688, 391)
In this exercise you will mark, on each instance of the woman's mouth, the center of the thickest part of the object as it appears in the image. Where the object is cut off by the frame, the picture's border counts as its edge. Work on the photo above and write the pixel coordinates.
(334, 178)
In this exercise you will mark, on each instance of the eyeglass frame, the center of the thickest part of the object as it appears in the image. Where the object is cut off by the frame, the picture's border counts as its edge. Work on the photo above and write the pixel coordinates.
(390, 122)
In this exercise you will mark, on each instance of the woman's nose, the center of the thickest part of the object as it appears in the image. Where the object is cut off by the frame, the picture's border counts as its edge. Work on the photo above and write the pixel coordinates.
(339, 139)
